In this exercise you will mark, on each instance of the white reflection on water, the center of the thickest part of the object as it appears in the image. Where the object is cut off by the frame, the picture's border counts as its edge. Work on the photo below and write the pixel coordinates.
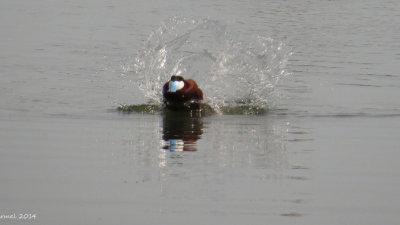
(212, 147)
(233, 160)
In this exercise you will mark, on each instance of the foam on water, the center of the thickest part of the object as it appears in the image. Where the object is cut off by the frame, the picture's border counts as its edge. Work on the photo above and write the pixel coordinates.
(229, 69)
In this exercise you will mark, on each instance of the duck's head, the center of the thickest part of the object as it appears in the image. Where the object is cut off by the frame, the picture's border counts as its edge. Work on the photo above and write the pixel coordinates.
(176, 83)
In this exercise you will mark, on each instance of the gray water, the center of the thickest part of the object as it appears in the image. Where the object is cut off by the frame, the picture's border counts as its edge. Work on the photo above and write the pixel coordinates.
(326, 152)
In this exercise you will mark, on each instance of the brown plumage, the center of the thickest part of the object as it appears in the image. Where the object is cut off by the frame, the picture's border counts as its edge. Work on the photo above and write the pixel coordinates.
(181, 97)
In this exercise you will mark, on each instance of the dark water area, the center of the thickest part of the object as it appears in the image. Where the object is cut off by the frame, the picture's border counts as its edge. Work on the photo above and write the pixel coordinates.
(324, 151)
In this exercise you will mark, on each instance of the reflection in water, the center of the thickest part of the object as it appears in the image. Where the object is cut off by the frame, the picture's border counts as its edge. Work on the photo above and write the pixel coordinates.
(249, 142)
(235, 142)
(181, 130)
(240, 159)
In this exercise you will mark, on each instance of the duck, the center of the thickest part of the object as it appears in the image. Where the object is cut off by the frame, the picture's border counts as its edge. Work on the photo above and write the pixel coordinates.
(181, 94)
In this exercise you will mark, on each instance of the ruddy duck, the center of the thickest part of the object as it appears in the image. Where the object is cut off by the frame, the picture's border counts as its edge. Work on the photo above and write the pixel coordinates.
(181, 94)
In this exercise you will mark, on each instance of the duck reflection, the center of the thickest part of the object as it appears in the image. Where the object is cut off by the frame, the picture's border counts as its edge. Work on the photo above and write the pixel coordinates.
(181, 130)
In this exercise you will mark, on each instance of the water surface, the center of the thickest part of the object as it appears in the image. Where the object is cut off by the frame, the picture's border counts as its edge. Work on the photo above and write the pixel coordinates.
(325, 152)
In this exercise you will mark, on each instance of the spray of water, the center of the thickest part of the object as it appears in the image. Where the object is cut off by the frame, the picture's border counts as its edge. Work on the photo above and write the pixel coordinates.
(227, 69)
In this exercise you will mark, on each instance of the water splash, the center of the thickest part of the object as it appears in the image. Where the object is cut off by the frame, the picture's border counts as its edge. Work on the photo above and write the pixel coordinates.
(230, 71)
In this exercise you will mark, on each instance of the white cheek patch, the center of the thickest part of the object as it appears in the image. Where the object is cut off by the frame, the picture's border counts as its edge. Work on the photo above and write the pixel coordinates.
(175, 86)
(176, 145)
